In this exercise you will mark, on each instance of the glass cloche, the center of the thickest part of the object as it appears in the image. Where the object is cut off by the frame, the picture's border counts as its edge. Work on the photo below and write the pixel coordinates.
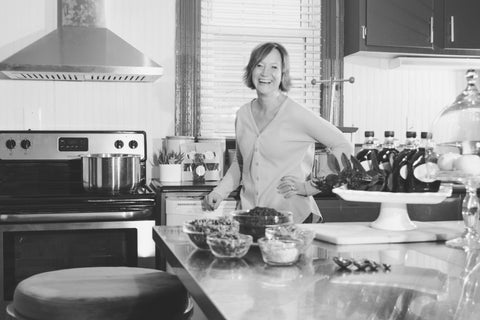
(456, 132)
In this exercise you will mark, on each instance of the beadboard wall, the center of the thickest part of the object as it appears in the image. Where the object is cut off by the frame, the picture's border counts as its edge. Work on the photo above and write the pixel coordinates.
(399, 99)
(149, 25)
(380, 99)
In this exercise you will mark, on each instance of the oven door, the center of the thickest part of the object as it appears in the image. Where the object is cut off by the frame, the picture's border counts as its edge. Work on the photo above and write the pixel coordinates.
(28, 249)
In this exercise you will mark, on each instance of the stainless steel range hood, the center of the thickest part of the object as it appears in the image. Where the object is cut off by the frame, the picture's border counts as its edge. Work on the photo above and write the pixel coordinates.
(81, 53)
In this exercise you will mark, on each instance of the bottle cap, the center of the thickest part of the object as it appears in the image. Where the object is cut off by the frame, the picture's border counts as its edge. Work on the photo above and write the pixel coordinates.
(369, 134)
(424, 135)
(389, 134)
(411, 134)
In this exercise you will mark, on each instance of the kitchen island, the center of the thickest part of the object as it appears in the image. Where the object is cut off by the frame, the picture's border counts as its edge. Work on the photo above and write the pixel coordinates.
(425, 280)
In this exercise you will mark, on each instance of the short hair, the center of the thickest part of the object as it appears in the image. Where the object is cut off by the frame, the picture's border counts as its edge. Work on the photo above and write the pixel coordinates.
(257, 55)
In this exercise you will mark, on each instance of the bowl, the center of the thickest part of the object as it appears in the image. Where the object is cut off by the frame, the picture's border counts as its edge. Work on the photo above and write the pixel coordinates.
(254, 221)
(291, 232)
(229, 245)
(198, 229)
(280, 252)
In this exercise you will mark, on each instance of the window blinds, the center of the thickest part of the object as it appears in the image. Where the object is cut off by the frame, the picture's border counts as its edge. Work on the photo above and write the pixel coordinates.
(230, 29)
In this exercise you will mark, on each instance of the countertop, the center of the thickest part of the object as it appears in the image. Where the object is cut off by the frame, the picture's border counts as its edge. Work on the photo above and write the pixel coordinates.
(425, 281)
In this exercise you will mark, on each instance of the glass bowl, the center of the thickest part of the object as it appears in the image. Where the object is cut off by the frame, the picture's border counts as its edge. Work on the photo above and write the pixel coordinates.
(291, 232)
(280, 252)
(229, 245)
(254, 221)
(198, 229)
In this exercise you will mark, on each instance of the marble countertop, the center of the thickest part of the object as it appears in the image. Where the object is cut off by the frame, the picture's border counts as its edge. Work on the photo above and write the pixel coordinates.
(425, 280)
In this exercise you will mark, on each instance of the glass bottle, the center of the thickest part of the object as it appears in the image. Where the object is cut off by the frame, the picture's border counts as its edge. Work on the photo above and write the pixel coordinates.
(420, 174)
(399, 170)
(387, 152)
(368, 147)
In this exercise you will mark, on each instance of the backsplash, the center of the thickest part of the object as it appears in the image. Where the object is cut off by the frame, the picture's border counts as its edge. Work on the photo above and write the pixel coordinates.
(397, 99)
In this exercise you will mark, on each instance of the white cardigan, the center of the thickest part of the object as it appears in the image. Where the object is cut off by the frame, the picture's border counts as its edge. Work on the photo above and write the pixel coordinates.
(286, 146)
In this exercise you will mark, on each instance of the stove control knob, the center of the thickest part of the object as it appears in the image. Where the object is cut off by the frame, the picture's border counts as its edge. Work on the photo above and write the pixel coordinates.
(133, 144)
(25, 144)
(10, 144)
(118, 144)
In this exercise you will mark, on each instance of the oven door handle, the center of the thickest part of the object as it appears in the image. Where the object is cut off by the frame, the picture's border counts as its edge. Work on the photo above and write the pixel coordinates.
(76, 216)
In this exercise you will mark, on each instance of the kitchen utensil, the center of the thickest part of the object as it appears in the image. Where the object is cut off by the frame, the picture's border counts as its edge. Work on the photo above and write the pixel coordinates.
(111, 172)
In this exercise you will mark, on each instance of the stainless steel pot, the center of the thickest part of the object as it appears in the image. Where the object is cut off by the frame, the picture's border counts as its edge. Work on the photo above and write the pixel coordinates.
(111, 172)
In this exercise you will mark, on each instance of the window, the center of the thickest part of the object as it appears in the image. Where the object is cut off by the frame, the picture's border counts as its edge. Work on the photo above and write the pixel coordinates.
(214, 41)
(230, 29)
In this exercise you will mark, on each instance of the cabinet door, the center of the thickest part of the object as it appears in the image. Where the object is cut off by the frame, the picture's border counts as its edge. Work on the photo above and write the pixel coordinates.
(462, 24)
(399, 23)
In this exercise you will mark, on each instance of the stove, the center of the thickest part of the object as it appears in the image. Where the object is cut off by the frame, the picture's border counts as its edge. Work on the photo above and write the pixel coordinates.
(48, 221)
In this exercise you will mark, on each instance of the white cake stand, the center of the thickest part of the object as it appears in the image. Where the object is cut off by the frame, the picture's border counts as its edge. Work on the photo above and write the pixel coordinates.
(393, 210)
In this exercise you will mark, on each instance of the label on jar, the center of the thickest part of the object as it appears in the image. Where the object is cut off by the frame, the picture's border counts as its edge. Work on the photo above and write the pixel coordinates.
(403, 172)
(426, 172)
(366, 164)
(200, 170)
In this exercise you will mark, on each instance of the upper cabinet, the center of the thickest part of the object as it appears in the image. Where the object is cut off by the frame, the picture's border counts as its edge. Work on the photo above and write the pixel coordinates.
(446, 27)
(462, 24)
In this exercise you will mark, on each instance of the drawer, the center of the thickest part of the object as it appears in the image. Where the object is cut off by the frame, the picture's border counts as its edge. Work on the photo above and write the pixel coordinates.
(179, 210)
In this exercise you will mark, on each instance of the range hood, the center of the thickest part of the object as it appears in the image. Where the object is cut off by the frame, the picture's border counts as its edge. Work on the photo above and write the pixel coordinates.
(82, 52)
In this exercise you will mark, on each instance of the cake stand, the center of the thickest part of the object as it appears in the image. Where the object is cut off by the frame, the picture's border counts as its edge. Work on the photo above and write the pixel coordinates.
(470, 239)
(393, 210)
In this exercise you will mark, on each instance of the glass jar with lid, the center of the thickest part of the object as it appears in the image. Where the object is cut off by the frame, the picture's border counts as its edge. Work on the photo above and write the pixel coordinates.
(456, 132)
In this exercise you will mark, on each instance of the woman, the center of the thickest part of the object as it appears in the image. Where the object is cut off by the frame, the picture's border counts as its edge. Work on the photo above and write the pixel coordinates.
(275, 139)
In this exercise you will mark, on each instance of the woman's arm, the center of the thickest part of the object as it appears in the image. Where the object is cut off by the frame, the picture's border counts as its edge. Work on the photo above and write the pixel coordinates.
(327, 134)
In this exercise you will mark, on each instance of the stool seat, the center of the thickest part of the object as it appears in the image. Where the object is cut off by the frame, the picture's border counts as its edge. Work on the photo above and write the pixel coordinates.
(100, 293)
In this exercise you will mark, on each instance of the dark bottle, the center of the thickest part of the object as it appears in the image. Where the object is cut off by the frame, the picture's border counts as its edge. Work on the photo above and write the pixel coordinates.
(400, 169)
(388, 151)
(419, 170)
(368, 147)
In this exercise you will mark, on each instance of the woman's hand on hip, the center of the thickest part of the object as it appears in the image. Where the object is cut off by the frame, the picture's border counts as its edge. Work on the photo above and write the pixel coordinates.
(291, 185)
(211, 201)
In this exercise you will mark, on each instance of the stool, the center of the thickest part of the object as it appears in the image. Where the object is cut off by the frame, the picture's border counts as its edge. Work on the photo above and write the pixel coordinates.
(101, 293)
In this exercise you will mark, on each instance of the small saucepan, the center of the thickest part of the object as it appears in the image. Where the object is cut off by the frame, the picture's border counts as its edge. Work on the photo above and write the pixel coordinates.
(111, 172)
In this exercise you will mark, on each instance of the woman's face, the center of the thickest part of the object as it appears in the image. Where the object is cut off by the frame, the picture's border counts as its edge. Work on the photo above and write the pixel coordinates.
(267, 74)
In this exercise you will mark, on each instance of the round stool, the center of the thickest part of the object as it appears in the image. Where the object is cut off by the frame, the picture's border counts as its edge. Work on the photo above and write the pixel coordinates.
(101, 293)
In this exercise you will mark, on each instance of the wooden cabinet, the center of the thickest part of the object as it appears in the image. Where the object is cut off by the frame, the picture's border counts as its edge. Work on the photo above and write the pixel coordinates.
(445, 27)
(389, 26)
(334, 209)
(462, 24)
(399, 23)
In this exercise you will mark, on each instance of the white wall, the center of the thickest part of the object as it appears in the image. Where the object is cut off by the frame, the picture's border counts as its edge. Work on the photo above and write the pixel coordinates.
(149, 25)
(400, 99)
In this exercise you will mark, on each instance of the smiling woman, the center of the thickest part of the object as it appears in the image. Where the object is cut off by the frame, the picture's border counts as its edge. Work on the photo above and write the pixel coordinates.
(214, 39)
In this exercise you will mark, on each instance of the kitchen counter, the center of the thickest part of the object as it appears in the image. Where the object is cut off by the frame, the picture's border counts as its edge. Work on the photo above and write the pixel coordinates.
(425, 281)
(335, 209)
